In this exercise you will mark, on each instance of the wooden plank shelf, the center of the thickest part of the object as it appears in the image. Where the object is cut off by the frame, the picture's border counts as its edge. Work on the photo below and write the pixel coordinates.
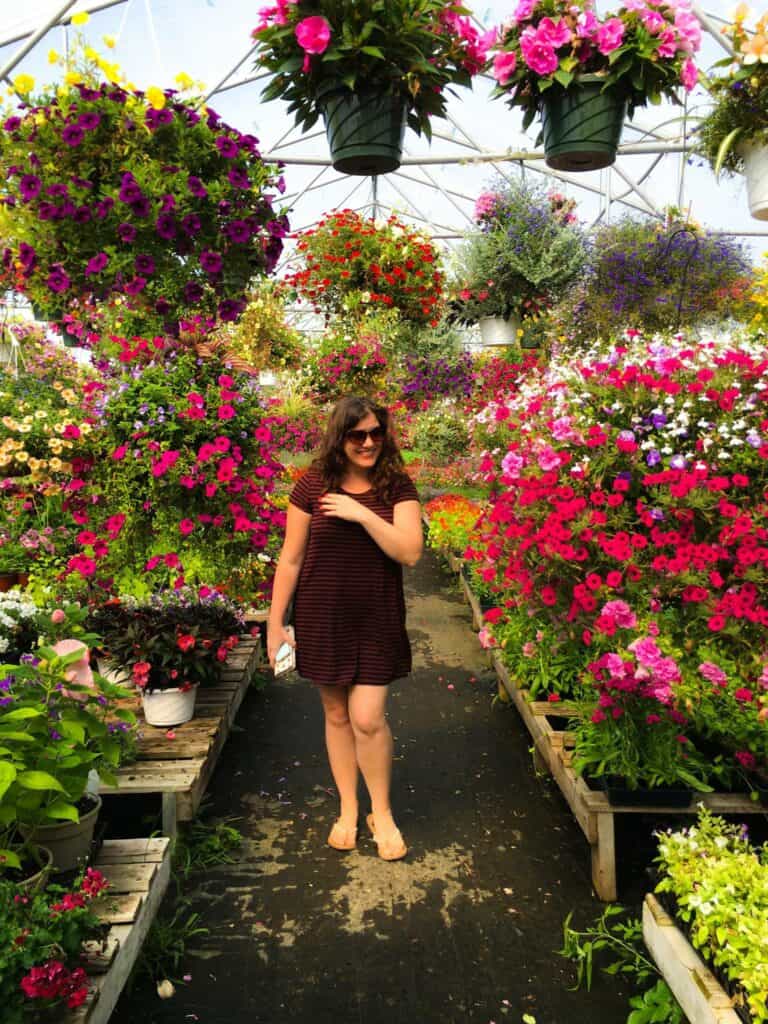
(138, 871)
(179, 763)
(694, 986)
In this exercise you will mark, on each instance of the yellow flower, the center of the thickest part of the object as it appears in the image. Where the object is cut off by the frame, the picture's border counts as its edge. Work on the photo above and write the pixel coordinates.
(69, 396)
(52, 56)
(81, 18)
(85, 428)
(184, 81)
(40, 414)
(24, 84)
(109, 41)
(22, 456)
(73, 77)
(56, 465)
(91, 54)
(35, 464)
(155, 97)
(755, 49)
(740, 13)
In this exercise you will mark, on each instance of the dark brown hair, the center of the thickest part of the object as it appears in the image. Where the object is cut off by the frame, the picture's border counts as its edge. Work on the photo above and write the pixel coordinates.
(331, 461)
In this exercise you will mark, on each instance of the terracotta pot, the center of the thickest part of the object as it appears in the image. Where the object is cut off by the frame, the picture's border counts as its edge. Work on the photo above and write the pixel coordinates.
(7, 581)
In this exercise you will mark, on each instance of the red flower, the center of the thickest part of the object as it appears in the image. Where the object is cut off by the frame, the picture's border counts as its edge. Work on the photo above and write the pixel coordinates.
(185, 642)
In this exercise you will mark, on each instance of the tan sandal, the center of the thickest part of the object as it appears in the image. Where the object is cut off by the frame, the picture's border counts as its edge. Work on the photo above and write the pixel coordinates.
(391, 847)
(341, 837)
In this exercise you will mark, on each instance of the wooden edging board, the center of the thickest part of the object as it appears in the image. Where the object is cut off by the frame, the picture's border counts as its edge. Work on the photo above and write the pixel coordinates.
(178, 763)
(694, 986)
(138, 871)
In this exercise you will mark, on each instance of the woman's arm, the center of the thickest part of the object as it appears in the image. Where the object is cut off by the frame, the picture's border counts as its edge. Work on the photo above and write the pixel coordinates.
(402, 539)
(286, 577)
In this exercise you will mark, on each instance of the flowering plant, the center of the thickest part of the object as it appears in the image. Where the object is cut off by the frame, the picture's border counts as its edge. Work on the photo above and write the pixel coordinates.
(640, 53)
(412, 49)
(263, 337)
(354, 265)
(17, 624)
(452, 519)
(343, 366)
(528, 249)
(427, 378)
(41, 939)
(116, 193)
(630, 495)
(738, 117)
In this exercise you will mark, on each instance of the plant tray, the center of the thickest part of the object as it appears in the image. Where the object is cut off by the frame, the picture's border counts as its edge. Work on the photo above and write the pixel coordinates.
(178, 763)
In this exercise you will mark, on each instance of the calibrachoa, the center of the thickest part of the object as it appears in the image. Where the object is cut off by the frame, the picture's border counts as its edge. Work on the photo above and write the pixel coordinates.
(629, 515)
(352, 264)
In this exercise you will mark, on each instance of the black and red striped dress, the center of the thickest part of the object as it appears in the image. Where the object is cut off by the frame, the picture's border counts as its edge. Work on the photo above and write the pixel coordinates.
(349, 607)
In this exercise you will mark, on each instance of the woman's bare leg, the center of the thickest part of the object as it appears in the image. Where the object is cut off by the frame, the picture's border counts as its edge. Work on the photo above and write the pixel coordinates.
(373, 743)
(340, 742)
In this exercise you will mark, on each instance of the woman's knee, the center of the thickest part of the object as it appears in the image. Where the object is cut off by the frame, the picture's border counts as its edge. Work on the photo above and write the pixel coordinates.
(368, 723)
(335, 708)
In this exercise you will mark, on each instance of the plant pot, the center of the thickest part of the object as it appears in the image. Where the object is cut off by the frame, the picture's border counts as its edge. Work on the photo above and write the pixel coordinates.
(581, 126)
(22, 579)
(118, 675)
(8, 581)
(169, 707)
(756, 172)
(365, 130)
(497, 330)
(68, 841)
(40, 874)
(618, 793)
(6, 353)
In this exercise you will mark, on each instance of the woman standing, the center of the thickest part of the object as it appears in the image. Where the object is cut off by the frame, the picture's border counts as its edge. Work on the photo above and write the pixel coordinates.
(353, 521)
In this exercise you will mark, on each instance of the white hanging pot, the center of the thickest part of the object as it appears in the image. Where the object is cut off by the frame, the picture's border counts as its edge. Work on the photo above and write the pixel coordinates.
(496, 330)
(756, 172)
(169, 707)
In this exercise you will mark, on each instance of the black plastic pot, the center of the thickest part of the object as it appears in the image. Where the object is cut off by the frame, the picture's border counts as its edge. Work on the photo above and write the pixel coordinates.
(620, 794)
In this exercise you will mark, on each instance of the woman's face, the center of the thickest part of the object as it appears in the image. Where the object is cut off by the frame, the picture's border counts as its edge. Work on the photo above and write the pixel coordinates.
(363, 442)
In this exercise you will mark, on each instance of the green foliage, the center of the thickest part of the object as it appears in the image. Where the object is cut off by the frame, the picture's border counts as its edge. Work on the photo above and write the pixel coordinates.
(440, 432)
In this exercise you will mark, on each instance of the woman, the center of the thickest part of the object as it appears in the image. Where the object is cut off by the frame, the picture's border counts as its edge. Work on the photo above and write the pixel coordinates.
(353, 521)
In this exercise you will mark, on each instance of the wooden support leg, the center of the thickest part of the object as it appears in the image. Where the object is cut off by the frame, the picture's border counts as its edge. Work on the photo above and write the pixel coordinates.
(604, 859)
(540, 763)
(502, 693)
(169, 815)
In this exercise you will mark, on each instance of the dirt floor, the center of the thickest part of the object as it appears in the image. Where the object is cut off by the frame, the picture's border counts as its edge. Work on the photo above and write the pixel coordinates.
(464, 930)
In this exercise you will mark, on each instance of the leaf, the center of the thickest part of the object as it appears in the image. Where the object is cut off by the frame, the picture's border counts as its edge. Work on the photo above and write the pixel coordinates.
(724, 149)
(9, 859)
(373, 51)
(22, 713)
(63, 811)
(39, 780)
(7, 777)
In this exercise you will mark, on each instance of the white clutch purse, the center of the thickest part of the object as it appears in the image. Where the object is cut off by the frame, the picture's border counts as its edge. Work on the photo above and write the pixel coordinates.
(285, 659)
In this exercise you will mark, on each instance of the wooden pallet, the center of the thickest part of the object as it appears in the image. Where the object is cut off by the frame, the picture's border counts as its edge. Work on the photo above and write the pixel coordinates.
(596, 816)
(694, 986)
(180, 768)
(138, 871)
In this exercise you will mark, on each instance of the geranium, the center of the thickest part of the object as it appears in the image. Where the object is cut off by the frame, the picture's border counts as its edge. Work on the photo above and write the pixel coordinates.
(641, 52)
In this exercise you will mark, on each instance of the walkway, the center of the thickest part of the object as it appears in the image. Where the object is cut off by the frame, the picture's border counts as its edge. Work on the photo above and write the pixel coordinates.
(462, 931)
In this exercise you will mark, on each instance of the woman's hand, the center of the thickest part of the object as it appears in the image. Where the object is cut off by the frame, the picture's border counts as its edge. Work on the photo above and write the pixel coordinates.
(343, 507)
(277, 635)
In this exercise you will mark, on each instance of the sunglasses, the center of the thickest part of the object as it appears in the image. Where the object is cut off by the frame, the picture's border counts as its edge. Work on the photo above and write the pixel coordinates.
(360, 436)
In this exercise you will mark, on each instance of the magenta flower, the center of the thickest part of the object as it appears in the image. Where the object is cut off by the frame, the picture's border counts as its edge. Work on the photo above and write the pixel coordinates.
(689, 74)
(537, 55)
(230, 309)
(57, 280)
(186, 526)
(96, 264)
(165, 225)
(126, 233)
(238, 231)
(72, 134)
(313, 34)
(689, 30)
(554, 33)
(135, 286)
(610, 35)
(523, 11)
(191, 224)
(504, 65)
(144, 264)
(211, 262)
(89, 120)
(713, 673)
(227, 147)
(196, 187)
(30, 186)
(238, 178)
(192, 293)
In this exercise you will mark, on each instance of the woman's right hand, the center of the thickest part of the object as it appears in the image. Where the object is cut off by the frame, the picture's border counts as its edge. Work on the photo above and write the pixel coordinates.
(276, 635)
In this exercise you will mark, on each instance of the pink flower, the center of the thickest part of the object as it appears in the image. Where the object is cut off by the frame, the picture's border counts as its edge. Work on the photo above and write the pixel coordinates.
(537, 55)
(504, 65)
(524, 10)
(745, 759)
(226, 412)
(186, 526)
(120, 452)
(689, 74)
(486, 638)
(313, 34)
(667, 43)
(71, 432)
(713, 673)
(689, 30)
(610, 35)
(548, 459)
(652, 21)
(152, 563)
(511, 465)
(744, 695)
(79, 671)
(58, 615)
(587, 25)
(621, 614)
(554, 33)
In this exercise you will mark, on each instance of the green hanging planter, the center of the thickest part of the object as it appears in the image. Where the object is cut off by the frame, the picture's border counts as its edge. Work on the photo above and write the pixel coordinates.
(582, 126)
(365, 131)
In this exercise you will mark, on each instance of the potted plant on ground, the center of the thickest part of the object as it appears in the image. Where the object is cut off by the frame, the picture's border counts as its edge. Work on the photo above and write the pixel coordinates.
(18, 632)
(369, 68)
(582, 73)
(527, 251)
(734, 136)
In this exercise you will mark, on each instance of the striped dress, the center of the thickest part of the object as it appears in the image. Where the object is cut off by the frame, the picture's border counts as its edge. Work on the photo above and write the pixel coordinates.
(349, 608)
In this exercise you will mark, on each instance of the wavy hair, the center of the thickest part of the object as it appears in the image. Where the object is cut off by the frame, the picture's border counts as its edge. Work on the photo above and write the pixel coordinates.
(331, 461)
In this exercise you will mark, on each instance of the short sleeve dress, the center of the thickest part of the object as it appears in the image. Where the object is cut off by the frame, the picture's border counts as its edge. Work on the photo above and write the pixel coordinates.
(349, 607)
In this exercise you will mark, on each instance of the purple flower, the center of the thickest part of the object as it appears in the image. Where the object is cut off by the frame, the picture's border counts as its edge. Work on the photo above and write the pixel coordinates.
(27, 256)
(57, 191)
(230, 309)
(155, 118)
(196, 187)
(81, 215)
(213, 120)
(12, 124)
(165, 225)
(126, 232)
(653, 458)
(168, 202)
(248, 143)
(141, 207)
(129, 189)
(191, 224)
(281, 185)
(54, 735)
(6, 683)
(57, 280)
(162, 306)
(238, 231)
(30, 186)
(104, 206)
(72, 134)
(96, 264)
(227, 147)
(238, 178)
(144, 264)
(192, 293)
(678, 462)
(659, 420)
(134, 286)
(211, 262)
(46, 211)
(89, 121)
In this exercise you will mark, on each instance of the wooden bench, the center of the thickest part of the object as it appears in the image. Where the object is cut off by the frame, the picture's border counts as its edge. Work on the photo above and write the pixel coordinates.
(591, 808)
(138, 871)
(694, 986)
(180, 768)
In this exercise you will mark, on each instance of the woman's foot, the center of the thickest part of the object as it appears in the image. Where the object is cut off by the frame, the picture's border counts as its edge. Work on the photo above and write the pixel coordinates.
(387, 837)
(342, 836)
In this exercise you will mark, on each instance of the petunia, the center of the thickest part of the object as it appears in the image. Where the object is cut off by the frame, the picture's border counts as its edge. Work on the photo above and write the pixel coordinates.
(96, 264)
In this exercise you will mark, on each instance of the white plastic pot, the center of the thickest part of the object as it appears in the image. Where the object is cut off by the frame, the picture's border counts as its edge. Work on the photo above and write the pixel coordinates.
(169, 707)
(116, 674)
(756, 173)
(495, 330)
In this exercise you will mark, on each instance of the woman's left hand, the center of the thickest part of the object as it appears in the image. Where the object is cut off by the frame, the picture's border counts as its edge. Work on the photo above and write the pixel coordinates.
(343, 507)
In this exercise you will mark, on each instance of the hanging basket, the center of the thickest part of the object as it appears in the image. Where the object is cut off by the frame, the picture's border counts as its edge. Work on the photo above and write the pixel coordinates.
(365, 131)
(169, 707)
(582, 126)
(756, 172)
(497, 330)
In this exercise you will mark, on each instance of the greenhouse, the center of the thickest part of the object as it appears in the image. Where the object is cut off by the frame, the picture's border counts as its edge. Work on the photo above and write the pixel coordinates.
(384, 533)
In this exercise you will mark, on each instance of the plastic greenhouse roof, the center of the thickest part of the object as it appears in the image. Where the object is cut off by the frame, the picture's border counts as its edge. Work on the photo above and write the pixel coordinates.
(436, 186)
